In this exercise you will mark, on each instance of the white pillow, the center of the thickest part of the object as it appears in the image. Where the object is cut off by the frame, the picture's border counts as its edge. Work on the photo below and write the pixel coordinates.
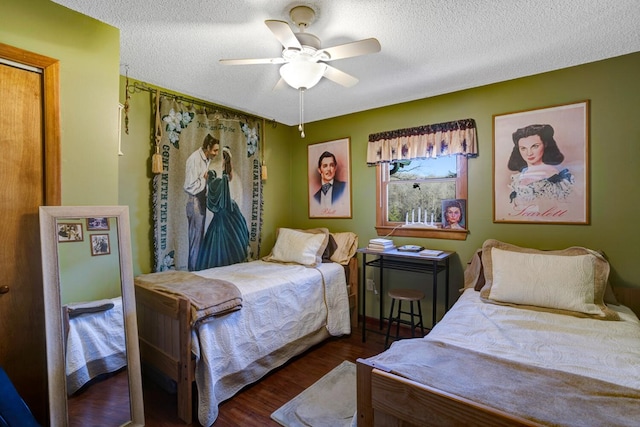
(298, 247)
(553, 281)
(568, 281)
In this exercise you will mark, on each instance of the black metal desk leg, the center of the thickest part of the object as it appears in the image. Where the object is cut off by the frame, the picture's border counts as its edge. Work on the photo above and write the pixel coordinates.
(435, 293)
(446, 281)
(364, 296)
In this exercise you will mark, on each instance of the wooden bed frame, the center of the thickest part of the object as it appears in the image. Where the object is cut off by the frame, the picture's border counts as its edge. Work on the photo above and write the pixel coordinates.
(164, 333)
(386, 399)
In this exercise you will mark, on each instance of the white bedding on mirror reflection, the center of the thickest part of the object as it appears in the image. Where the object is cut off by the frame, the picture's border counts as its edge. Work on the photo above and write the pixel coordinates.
(95, 345)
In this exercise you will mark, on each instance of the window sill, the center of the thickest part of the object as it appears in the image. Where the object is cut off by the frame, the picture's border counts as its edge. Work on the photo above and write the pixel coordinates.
(430, 233)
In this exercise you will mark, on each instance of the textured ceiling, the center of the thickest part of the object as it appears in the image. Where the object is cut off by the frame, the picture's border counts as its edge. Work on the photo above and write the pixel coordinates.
(429, 47)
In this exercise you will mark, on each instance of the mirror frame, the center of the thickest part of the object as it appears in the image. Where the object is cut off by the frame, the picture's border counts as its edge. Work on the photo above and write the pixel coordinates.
(58, 411)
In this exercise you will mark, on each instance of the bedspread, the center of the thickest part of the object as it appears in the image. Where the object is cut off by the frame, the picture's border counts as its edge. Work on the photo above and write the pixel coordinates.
(546, 396)
(604, 350)
(281, 304)
(548, 367)
(95, 345)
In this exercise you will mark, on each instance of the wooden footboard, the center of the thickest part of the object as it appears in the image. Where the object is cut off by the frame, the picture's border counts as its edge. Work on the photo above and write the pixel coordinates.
(388, 400)
(164, 333)
(351, 270)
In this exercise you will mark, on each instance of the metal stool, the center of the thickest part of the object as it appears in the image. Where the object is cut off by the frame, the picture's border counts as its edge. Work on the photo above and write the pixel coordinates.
(400, 295)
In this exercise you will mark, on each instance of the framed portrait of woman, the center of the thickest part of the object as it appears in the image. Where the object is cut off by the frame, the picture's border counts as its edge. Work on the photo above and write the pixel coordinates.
(541, 165)
(454, 214)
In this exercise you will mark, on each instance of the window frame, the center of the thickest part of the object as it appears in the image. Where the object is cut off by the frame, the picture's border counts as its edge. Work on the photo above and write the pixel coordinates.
(388, 228)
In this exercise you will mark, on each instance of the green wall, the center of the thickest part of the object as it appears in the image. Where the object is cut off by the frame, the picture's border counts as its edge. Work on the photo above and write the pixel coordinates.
(613, 88)
(89, 55)
(610, 86)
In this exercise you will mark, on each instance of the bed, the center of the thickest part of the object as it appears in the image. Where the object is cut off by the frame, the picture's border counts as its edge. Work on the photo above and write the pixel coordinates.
(536, 338)
(95, 341)
(288, 304)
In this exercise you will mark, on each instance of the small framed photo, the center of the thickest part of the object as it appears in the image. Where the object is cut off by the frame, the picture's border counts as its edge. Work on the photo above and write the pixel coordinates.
(329, 179)
(94, 224)
(100, 244)
(454, 214)
(70, 232)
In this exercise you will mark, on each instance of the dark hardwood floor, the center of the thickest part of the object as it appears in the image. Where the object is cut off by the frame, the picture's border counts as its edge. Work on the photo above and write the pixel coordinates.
(104, 402)
(251, 407)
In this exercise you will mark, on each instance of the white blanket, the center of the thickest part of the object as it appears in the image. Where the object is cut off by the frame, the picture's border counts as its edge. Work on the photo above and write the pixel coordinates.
(95, 345)
(281, 304)
(550, 368)
(605, 350)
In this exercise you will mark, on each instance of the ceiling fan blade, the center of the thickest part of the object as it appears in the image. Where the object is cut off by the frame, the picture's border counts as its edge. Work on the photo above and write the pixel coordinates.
(283, 33)
(252, 61)
(340, 77)
(348, 50)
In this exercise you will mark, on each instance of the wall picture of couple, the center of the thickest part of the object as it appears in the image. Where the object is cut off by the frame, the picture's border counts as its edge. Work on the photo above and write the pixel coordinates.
(540, 164)
(329, 179)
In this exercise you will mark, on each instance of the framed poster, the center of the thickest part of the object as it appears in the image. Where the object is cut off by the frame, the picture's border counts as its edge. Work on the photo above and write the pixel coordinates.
(100, 244)
(454, 214)
(329, 179)
(70, 232)
(541, 165)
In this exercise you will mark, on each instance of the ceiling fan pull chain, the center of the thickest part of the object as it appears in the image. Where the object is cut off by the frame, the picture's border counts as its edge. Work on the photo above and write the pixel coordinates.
(301, 125)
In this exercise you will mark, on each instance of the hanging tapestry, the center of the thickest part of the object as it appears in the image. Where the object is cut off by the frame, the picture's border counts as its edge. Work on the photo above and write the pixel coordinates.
(207, 202)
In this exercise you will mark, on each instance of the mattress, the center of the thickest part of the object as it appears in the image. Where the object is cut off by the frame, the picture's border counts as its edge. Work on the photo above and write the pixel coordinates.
(286, 308)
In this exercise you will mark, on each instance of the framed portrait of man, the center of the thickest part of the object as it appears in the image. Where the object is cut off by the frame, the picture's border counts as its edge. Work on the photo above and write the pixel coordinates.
(329, 179)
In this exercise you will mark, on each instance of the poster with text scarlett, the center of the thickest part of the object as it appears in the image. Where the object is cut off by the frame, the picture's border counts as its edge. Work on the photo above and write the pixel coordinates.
(540, 164)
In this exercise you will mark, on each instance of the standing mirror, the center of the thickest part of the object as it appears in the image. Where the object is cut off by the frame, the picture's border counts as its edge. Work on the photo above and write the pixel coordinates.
(93, 358)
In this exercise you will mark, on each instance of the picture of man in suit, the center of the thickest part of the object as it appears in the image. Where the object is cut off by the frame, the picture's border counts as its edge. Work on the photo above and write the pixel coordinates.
(331, 189)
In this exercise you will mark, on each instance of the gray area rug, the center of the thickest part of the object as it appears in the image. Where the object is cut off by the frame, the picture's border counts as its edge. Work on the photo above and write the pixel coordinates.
(329, 402)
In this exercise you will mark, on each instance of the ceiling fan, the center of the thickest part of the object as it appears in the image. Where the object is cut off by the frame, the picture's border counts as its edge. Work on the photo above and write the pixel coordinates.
(303, 58)
(304, 61)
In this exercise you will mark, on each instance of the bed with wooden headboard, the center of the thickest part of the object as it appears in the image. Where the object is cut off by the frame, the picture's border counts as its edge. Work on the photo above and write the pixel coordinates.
(536, 338)
(288, 304)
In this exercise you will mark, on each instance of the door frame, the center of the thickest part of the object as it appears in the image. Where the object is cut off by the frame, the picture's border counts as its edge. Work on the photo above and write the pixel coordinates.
(51, 116)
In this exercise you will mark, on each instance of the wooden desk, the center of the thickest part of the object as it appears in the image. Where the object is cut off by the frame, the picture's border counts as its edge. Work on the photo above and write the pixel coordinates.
(405, 261)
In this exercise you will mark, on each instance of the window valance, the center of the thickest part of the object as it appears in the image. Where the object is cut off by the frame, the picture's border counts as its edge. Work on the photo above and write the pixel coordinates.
(428, 141)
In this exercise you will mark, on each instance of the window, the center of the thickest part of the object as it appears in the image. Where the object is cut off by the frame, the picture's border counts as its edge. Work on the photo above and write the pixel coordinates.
(409, 196)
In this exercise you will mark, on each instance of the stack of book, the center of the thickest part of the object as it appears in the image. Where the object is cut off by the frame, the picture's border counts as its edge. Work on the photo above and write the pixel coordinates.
(381, 245)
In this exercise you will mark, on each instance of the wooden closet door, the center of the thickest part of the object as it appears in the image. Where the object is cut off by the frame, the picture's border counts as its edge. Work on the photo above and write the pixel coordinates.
(22, 337)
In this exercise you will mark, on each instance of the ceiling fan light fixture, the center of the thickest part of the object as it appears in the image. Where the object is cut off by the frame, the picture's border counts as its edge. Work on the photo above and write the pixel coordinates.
(302, 74)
